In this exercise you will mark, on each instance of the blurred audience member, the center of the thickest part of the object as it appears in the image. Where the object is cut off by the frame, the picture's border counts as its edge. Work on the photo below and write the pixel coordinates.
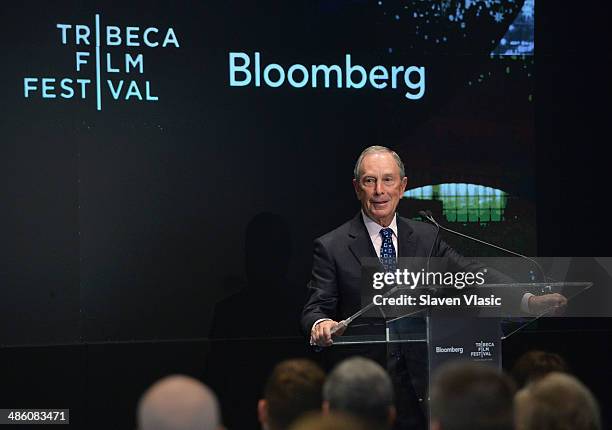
(533, 365)
(557, 401)
(293, 388)
(178, 403)
(471, 396)
(362, 388)
(330, 421)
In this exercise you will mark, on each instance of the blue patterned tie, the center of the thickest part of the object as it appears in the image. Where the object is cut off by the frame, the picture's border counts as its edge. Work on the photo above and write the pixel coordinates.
(387, 250)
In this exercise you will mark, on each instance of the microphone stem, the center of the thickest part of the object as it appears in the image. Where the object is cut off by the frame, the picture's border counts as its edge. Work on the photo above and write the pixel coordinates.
(544, 279)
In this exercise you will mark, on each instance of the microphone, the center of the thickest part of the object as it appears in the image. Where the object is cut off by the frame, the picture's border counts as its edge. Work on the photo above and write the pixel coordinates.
(428, 215)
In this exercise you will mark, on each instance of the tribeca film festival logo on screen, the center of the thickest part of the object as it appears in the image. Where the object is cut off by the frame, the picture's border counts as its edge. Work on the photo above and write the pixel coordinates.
(91, 44)
(104, 73)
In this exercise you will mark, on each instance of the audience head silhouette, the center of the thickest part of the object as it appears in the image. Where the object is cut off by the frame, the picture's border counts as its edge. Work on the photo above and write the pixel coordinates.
(535, 364)
(557, 401)
(362, 388)
(178, 403)
(293, 388)
(471, 396)
(333, 421)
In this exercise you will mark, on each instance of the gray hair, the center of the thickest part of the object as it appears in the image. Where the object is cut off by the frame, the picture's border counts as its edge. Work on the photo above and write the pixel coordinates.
(361, 387)
(374, 149)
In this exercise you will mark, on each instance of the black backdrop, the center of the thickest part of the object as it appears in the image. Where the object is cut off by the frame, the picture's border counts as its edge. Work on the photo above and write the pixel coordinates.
(130, 222)
(123, 228)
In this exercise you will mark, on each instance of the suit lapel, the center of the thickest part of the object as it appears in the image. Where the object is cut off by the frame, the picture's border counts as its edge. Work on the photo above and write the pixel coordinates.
(360, 243)
(406, 240)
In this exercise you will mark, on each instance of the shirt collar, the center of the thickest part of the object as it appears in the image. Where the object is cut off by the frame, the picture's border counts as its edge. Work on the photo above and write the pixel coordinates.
(374, 228)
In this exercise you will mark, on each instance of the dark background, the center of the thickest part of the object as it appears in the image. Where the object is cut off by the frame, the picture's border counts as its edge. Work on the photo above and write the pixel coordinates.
(122, 229)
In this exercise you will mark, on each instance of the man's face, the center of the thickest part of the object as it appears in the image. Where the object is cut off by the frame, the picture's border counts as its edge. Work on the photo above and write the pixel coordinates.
(380, 186)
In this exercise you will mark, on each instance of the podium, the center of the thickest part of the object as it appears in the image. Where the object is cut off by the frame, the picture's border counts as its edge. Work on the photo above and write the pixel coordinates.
(450, 332)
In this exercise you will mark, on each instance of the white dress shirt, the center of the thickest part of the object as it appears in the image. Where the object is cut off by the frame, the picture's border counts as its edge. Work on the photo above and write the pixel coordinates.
(374, 231)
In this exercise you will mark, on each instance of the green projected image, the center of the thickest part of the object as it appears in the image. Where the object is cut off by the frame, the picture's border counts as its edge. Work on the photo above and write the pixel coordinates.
(464, 202)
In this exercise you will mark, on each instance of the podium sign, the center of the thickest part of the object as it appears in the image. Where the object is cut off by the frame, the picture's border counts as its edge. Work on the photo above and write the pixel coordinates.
(474, 339)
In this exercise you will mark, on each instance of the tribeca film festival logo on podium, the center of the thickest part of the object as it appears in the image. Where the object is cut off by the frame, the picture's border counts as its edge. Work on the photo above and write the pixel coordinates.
(483, 350)
(107, 66)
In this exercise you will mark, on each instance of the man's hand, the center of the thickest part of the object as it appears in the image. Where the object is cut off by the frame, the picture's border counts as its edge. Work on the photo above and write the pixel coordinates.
(320, 334)
(555, 303)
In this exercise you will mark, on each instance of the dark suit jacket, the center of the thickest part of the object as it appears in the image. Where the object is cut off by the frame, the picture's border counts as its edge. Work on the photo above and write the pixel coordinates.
(334, 290)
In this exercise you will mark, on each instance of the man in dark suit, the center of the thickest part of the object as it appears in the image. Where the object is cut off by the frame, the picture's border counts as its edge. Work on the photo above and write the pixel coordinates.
(379, 182)
(376, 231)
